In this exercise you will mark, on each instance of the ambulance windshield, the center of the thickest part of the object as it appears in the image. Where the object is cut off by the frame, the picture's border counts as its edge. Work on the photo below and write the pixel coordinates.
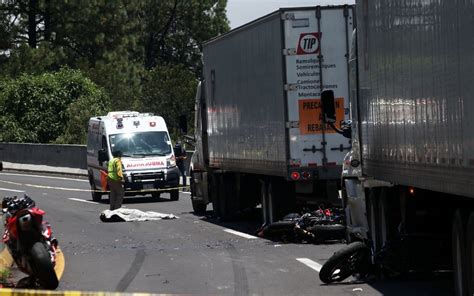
(141, 144)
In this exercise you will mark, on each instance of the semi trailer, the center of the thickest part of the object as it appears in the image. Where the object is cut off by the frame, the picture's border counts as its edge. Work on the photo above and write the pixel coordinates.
(259, 135)
(409, 178)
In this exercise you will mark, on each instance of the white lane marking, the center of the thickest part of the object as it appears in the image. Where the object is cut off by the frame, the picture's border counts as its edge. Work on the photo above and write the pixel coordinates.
(82, 200)
(310, 263)
(45, 177)
(245, 235)
(45, 187)
(185, 192)
(12, 190)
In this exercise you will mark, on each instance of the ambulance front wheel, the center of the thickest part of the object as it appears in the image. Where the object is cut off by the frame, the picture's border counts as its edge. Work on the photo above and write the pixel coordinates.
(96, 194)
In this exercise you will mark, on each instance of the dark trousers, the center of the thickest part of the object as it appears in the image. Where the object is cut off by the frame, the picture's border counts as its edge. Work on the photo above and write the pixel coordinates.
(116, 194)
(183, 172)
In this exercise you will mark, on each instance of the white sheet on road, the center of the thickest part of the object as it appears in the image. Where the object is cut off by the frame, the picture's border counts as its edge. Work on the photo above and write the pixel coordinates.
(129, 215)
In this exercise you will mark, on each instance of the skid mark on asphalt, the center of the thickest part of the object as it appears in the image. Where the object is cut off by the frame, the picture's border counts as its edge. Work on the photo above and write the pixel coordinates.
(241, 234)
(310, 263)
(241, 284)
(132, 271)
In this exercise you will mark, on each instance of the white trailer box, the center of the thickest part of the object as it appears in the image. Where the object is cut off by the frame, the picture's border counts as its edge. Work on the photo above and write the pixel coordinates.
(261, 94)
(263, 85)
(411, 185)
(148, 159)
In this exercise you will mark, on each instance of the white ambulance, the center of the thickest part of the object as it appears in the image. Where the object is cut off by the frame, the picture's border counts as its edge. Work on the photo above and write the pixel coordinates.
(149, 164)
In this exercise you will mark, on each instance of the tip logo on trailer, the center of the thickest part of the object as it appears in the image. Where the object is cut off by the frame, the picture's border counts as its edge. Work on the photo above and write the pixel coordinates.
(309, 43)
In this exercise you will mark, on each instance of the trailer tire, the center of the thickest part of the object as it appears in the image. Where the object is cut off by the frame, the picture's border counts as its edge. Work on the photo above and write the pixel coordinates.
(459, 254)
(214, 193)
(351, 259)
(372, 217)
(219, 201)
(265, 199)
(174, 195)
(470, 254)
(198, 207)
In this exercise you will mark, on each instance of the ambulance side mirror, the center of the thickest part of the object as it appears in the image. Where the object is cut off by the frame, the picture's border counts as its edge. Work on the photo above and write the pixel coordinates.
(328, 106)
(102, 156)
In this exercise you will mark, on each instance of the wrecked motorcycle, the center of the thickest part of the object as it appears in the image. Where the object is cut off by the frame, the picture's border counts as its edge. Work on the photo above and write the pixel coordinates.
(404, 254)
(29, 240)
(313, 226)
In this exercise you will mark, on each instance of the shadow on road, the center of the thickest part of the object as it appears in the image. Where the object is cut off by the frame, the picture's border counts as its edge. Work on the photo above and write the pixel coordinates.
(415, 284)
(248, 221)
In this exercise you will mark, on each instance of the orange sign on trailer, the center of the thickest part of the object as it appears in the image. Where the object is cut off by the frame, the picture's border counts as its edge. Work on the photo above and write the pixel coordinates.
(311, 116)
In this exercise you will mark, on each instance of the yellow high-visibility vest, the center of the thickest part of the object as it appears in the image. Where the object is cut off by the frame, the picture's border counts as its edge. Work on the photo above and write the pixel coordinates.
(115, 170)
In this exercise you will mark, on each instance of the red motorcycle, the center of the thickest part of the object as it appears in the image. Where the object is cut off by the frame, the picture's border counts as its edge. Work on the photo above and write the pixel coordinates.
(30, 240)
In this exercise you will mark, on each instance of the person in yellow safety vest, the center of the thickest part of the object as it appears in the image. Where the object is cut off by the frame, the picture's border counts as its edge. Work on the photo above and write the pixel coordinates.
(115, 180)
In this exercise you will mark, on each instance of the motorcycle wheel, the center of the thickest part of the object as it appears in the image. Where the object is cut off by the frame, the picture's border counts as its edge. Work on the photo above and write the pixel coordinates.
(352, 259)
(329, 231)
(43, 267)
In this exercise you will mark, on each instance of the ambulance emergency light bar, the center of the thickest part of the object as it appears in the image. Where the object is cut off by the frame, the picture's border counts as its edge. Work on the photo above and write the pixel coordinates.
(124, 114)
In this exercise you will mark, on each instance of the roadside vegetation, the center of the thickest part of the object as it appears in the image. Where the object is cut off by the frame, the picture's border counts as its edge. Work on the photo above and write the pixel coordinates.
(64, 61)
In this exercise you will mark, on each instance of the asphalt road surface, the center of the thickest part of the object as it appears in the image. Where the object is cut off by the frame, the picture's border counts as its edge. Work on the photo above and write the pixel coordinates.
(190, 255)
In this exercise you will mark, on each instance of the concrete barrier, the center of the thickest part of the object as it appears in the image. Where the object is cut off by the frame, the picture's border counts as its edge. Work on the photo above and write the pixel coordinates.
(70, 156)
(40, 157)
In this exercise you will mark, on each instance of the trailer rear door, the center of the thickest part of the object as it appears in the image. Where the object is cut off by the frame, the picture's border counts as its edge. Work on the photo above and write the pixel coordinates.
(316, 55)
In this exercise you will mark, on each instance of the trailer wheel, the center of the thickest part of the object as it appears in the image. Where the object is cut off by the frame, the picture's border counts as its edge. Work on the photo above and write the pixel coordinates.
(174, 195)
(470, 254)
(459, 254)
(225, 196)
(192, 185)
(218, 196)
(214, 193)
(372, 218)
(198, 207)
(266, 200)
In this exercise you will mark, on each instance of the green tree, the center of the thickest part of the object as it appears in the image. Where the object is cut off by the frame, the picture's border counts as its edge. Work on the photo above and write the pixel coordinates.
(98, 37)
(172, 40)
(101, 39)
(27, 60)
(169, 92)
(124, 46)
(175, 29)
(52, 107)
